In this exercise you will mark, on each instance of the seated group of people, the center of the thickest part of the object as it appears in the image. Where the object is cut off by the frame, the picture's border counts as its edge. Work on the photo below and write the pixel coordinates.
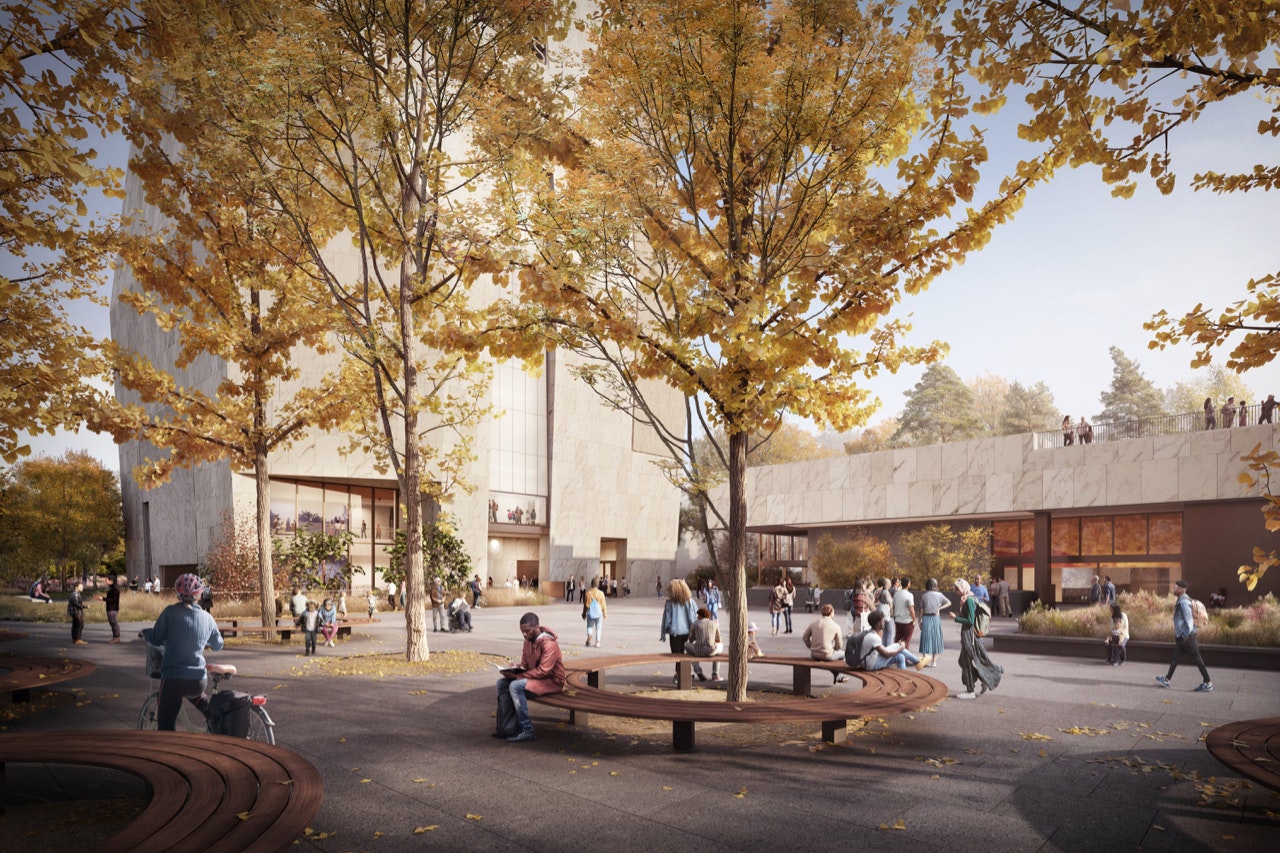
(870, 650)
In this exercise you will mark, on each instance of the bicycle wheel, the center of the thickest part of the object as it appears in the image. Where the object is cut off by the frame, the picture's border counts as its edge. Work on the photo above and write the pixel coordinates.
(260, 726)
(189, 719)
(147, 716)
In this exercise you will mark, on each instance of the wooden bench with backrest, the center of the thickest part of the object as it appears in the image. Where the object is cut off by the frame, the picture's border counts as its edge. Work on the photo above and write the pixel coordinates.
(19, 674)
(883, 692)
(208, 792)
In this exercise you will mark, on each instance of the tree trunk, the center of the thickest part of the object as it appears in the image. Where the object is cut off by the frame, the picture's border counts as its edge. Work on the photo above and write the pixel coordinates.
(266, 579)
(415, 615)
(736, 574)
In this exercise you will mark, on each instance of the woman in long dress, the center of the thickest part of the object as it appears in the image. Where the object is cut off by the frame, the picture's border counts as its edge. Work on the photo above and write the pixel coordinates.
(932, 603)
(976, 669)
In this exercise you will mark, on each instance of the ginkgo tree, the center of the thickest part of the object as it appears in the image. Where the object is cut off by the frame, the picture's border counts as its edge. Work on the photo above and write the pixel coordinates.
(219, 267)
(1112, 83)
(57, 99)
(373, 162)
(747, 190)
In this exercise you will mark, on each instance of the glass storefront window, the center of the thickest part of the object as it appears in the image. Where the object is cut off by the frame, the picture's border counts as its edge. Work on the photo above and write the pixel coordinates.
(1131, 534)
(284, 518)
(336, 511)
(1004, 538)
(1095, 535)
(310, 508)
(1166, 533)
(1064, 537)
(384, 515)
(361, 512)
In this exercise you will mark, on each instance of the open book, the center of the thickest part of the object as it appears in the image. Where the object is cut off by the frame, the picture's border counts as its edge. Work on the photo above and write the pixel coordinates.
(508, 667)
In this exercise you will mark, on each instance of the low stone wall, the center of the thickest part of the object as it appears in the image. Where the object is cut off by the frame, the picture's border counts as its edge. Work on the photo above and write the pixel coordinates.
(1145, 651)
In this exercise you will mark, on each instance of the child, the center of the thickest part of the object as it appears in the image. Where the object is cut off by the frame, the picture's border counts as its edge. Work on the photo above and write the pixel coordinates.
(1116, 653)
(753, 648)
(342, 605)
(309, 622)
(328, 621)
(373, 603)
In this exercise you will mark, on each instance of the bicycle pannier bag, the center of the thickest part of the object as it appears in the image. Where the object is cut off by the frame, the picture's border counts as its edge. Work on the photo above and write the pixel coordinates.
(229, 713)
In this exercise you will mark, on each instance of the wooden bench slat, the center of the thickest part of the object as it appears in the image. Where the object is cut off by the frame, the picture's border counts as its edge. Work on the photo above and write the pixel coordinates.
(1250, 748)
(18, 675)
(200, 785)
(887, 691)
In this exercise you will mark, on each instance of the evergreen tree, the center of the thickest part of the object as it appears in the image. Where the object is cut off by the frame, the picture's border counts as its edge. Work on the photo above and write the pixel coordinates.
(1027, 409)
(939, 409)
(1132, 396)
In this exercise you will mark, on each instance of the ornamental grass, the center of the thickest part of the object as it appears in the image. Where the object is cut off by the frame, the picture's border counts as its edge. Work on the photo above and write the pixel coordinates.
(1151, 618)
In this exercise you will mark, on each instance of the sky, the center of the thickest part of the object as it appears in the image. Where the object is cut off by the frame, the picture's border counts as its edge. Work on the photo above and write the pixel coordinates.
(1076, 272)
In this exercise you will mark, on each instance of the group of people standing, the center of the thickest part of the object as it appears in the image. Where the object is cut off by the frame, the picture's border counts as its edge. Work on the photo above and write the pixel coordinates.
(1236, 414)
(1083, 433)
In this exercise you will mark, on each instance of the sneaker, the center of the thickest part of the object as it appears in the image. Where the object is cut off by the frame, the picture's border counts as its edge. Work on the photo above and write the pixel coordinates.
(967, 695)
(1205, 687)
(523, 737)
(597, 644)
(1162, 681)
(716, 678)
(922, 663)
(841, 679)
(81, 643)
(114, 640)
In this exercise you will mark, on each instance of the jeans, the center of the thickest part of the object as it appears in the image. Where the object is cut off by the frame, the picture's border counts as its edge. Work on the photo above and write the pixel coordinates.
(511, 693)
(898, 661)
(113, 619)
(777, 621)
(309, 639)
(594, 625)
(1190, 646)
(786, 611)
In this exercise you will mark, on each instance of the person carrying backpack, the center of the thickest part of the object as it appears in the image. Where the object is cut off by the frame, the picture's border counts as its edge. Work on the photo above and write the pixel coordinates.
(1184, 638)
(975, 667)
(594, 610)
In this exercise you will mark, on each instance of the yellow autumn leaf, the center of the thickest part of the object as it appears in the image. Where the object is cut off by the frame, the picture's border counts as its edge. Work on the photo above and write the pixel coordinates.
(377, 834)
(614, 773)
(475, 817)
(342, 740)
(418, 830)
(1034, 736)
(667, 788)
(365, 781)
(418, 781)
(244, 815)
(741, 793)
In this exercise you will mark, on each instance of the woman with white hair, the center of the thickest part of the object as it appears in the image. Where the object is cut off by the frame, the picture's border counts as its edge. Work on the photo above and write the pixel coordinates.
(975, 667)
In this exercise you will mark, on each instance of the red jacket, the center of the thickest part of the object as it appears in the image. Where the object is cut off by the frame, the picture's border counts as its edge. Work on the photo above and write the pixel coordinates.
(542, 665)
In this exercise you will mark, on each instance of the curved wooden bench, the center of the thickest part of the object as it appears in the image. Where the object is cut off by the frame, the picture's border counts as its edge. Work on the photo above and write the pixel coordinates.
(201, 785)
(18, 674)
(885, 691)
(6, 635)
(1250, 748)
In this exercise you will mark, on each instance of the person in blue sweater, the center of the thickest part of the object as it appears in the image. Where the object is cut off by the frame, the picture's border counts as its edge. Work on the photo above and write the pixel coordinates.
(678, 615)
(184, 630)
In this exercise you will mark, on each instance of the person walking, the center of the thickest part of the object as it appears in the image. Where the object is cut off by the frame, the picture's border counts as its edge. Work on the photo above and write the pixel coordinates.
(777, 599)
(788, 600)
(594, 609)
(1184, 639)
(309, 622)
(932, 603)
(678, 615)
(975, 667)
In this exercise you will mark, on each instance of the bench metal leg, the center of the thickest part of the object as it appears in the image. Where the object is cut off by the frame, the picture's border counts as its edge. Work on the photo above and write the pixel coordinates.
(682, 735)
(835, 731)
(800, 680)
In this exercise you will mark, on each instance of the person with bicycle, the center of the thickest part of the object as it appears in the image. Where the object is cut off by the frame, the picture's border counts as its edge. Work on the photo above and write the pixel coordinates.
(183, 629)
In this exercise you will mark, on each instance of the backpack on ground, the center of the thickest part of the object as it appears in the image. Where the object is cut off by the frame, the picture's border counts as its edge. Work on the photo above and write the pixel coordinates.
(853, 656)
(981, 618)
(229, 713)
(1199, 614)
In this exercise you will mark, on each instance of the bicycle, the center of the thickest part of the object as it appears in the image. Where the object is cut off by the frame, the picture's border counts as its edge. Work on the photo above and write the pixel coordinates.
(192, 718)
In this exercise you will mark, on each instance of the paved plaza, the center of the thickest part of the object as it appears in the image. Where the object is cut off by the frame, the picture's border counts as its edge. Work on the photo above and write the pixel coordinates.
(1069, 754)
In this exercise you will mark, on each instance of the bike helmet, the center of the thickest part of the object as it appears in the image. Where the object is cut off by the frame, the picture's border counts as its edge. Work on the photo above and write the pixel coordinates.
(188, 586)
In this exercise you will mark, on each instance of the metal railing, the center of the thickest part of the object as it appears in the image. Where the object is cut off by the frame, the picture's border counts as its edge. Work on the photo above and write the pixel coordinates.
(1122, 430)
